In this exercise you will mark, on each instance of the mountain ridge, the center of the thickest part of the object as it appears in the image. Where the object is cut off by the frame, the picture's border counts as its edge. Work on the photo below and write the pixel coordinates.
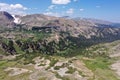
(75, 27)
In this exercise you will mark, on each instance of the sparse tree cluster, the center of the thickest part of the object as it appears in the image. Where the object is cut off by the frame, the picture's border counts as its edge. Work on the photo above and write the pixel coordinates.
(9, 48)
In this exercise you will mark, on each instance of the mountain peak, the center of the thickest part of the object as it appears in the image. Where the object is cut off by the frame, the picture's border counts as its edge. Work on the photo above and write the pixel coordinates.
(6, 15)
(6, 19)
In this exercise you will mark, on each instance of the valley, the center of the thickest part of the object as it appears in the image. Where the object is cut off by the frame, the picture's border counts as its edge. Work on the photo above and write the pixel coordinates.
(41, 47)
(47, 67)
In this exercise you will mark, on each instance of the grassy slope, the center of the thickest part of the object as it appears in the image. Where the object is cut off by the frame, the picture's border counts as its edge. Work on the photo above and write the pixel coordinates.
(100, 66)
(101, 69)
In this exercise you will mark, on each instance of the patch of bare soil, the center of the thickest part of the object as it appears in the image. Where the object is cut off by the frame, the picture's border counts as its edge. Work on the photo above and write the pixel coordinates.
(16, 71)
(116, 53)
(81, 67)
(10, 57)
(40, 70)
(43, 74)
(116, 67)
(50, 74)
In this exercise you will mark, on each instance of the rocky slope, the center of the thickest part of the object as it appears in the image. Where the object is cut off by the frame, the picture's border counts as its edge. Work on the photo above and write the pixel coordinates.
(76, 27)
(6, 20)
(88, 28)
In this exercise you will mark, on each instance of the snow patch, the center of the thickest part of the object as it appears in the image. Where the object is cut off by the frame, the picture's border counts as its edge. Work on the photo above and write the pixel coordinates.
(16, 19)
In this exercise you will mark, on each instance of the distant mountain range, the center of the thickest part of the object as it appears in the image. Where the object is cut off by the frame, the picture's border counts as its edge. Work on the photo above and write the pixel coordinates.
(88, 28)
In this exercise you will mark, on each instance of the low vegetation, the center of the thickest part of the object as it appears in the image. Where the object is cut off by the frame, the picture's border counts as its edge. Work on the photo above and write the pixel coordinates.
(71, 70)
(100, 66)
(38, 44)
